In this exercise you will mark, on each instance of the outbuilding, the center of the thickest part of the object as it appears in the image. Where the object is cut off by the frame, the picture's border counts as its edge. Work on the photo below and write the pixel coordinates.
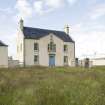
(3, 55)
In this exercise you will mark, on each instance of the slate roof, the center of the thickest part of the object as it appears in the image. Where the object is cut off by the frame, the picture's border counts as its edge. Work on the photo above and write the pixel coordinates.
(37, 33)
(2, 44)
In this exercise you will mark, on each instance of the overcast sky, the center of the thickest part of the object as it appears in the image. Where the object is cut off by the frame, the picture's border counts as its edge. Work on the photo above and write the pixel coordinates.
(86, 19)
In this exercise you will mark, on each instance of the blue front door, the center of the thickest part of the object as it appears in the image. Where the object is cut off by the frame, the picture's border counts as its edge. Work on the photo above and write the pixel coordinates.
(51, 60)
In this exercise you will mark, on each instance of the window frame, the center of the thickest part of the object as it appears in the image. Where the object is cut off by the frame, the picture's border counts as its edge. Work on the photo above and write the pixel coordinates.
(65, 48)
(51, 47)
(65, 60)
(36, 47)
(36, 60)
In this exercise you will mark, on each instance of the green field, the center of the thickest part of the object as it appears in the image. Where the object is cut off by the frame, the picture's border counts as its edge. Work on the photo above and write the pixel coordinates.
(52, 86)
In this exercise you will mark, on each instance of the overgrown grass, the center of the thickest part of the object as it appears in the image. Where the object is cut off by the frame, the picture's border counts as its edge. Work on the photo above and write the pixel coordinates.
(52, 86)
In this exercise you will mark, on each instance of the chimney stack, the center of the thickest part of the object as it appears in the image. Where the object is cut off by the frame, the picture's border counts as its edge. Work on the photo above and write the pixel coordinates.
(66, 29)
(21, 24)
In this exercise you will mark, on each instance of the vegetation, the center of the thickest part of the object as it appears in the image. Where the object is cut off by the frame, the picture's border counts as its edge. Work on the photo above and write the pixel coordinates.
(52, 86)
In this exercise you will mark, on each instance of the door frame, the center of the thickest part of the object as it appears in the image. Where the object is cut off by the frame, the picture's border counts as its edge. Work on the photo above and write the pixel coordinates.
(53, 64)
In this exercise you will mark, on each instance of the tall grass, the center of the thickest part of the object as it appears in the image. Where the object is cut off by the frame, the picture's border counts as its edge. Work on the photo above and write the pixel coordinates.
(52, 86)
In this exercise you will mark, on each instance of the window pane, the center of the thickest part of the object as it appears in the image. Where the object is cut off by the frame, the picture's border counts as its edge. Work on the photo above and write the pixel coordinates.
(55, 47)
(52, 47)
(65, 59)
(36, 58)
(65, 48)
(36, 46)
(48, 47)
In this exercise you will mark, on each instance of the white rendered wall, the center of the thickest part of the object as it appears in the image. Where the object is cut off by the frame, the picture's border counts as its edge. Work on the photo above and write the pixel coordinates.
(29, 52)
(3, 57)
(98, 62)
(44, 54)
(20, 42)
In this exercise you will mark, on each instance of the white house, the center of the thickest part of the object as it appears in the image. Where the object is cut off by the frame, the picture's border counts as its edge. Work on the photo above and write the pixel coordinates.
(3, 55)
(44, 47)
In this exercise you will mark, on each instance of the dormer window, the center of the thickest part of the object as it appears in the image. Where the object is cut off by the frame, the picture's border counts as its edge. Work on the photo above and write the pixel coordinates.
(36, 47)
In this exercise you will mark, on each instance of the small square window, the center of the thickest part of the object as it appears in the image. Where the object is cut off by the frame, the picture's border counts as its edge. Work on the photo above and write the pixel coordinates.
(65, 48)
(65, 59)
(36, 58)
(36, 46)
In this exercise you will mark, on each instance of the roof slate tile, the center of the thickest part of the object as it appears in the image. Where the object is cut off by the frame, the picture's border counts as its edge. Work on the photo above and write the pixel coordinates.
(37, 33)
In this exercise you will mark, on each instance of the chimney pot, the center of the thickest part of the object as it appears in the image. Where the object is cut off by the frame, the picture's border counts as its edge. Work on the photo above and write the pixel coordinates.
(66, 29)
